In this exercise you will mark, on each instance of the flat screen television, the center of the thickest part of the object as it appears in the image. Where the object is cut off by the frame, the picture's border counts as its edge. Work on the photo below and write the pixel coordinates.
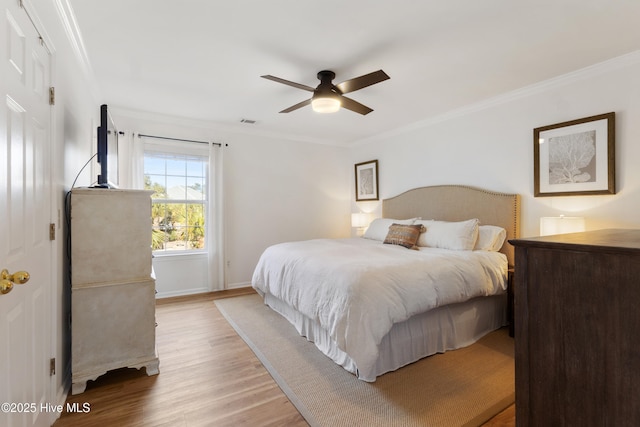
(107, 150)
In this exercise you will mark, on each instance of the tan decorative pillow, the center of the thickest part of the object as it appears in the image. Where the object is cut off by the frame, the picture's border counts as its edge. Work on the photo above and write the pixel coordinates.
(379, 228)
(404, 235)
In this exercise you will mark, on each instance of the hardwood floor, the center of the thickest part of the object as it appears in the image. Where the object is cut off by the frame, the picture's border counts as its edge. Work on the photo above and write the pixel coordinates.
(208, 377)
(506, 418)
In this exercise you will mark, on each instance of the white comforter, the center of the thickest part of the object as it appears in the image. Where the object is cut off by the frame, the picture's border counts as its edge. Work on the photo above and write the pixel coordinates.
(356, 289)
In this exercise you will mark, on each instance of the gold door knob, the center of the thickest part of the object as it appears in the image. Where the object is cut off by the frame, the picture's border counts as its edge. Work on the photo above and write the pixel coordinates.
(8, 280)
(5, 286)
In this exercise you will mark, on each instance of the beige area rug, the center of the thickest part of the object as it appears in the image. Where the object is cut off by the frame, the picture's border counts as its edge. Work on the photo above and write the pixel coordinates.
(465, 387)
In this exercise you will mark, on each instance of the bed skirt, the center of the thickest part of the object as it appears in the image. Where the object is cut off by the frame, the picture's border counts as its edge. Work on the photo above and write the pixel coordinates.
(436, 331)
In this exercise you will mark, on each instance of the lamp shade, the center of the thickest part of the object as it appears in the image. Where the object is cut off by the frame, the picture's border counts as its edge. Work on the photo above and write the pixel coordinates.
(359, 220)
(561, 224)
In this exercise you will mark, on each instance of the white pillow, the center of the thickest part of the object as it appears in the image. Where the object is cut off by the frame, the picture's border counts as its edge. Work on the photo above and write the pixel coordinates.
(490, 238)
(379, 227)
(460, 235)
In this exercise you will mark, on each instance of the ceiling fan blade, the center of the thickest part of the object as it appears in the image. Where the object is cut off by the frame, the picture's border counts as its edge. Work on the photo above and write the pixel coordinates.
(355, 106)
(289, 83)
(362, 81)
(298, 105)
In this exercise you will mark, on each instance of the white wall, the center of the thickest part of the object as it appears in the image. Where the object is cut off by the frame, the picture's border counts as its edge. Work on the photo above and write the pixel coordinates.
(490, 145)
(75, 116)
(279, 191)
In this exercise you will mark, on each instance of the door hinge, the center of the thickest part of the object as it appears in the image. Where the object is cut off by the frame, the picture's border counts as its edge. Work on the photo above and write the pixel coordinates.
(52, 95)
(52, 231)
(52, 366)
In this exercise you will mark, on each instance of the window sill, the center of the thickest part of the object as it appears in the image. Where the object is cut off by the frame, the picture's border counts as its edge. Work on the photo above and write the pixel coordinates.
(176, 254)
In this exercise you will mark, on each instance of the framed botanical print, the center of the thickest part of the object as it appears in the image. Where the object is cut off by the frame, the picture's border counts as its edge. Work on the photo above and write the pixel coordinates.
(367, 181)
(575, 157)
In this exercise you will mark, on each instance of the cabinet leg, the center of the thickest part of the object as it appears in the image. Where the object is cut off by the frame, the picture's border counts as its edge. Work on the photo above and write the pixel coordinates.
(153, 368)
(79, 387)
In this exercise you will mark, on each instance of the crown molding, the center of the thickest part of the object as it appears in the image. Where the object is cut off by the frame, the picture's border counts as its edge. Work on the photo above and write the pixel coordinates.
(69, 23)
(594, 70)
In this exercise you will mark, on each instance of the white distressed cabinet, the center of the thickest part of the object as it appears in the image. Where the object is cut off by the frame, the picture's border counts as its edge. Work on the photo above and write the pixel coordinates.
(112, 286)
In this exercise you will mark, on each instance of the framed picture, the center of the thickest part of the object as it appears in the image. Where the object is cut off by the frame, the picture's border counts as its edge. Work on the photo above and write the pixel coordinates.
(367, 181)
(575, 158)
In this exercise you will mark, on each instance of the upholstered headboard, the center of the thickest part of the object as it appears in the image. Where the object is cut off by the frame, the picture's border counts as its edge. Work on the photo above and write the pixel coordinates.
(459, 203)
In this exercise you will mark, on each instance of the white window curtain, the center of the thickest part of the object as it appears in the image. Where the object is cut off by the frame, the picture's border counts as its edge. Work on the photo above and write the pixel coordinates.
(215, 217)
(131, 162)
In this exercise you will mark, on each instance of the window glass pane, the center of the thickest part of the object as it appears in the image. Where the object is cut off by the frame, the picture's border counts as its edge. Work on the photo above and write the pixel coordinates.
(177, 239)
(176, 166)
(176, 188)
(176, 214)
(154, 164)
(158, 211)
(195, 189)
(159, 240)
(195, 224)
(178, 178)
(156, 183)
(195, 167)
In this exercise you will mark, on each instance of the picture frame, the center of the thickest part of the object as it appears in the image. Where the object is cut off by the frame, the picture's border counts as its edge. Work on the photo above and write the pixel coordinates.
(366, 180)
(575, 157)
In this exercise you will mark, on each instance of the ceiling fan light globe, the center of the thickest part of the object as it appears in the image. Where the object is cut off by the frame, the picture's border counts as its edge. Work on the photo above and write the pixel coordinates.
(325, 105)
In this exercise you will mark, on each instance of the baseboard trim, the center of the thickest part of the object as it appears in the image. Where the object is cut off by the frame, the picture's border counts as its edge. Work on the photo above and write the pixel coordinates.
(181, 293)
(238, 285)
(226, 293)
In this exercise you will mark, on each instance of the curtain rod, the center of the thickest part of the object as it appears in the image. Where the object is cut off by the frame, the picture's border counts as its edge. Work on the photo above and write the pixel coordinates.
(140, 135)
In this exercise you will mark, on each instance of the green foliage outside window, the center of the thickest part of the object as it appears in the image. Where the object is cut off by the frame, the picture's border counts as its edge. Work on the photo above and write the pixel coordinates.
(177, 225)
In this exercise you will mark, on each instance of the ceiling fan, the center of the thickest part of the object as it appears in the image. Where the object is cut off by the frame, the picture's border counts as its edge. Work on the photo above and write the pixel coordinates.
(327, 97)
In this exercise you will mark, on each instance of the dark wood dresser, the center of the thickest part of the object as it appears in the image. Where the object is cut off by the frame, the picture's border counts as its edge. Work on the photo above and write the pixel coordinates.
(577, 329)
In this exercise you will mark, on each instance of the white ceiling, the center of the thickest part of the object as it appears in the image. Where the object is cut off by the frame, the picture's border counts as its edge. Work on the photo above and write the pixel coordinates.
(202, 59)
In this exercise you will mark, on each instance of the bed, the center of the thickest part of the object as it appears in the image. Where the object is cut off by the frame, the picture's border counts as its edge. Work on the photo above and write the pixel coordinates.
(373, 305)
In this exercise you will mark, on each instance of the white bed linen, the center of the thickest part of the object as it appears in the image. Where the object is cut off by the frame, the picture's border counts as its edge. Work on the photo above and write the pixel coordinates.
(436, 331)
(357, 289)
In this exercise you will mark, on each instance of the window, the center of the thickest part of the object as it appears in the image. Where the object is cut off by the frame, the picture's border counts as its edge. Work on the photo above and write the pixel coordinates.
(179, 200)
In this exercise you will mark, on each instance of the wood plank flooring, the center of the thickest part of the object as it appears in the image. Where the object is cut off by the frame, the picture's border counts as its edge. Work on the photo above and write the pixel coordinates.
(208, 377)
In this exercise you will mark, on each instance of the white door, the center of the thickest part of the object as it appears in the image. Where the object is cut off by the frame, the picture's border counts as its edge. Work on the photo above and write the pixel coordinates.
(25, 212)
